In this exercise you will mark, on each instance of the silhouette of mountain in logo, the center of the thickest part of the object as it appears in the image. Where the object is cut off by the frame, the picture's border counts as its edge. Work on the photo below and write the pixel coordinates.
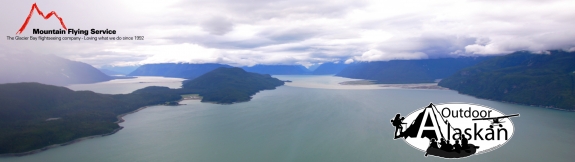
(46, 17)
(431, 118)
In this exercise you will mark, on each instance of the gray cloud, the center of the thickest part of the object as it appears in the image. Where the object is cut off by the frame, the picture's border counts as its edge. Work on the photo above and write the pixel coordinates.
(247, 32)
(218, 25)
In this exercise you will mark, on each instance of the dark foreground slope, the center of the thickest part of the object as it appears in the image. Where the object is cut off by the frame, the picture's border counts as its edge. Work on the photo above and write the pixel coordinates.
(408, 71)
(26, 107)
(278, 69)
(33, 115)
(521, 77)
(183, 70)
(47, 69)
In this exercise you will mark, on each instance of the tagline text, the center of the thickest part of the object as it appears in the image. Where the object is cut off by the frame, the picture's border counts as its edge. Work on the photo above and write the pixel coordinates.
(74, 38)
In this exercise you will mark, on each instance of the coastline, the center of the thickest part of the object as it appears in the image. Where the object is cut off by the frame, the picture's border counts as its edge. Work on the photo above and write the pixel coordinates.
(120, 120)
(59, 145)
(402, 86)
(539, 106)
(436, 86)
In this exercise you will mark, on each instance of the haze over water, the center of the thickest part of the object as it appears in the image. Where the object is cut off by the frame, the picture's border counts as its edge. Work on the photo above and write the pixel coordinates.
(307, 124)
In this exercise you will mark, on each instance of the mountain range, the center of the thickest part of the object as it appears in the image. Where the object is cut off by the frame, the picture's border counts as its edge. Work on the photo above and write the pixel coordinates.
(329, 68)
(408, 71)
(111, 72)
(122, 70)
(278, 69)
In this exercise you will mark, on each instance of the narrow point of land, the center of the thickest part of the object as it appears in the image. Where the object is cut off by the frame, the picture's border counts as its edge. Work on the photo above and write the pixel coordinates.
(404, 86)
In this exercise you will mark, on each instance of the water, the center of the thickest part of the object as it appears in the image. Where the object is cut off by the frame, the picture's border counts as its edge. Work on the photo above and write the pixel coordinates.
(125, 86)
(307, 124)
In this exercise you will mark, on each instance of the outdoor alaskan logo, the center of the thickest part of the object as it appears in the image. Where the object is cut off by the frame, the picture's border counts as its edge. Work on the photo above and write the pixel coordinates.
(454, 130)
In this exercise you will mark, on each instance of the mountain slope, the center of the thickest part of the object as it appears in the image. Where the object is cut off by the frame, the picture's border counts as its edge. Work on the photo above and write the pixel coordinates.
(110, 72)
(408, 71)
(47, 69)
(278, 69)
(521, 77)
(329, 68)
(25, 110)
(123, 70)
(184, 70)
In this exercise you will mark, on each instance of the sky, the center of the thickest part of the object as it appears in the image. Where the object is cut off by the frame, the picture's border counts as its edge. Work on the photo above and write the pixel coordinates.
(304, 32)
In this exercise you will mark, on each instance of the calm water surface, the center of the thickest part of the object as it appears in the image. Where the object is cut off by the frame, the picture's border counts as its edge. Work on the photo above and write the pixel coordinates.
(293, 123)
(125, 86)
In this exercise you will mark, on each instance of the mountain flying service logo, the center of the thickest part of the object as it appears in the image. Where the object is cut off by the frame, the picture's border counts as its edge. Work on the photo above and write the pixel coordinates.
(46, 17)
(455, 130)
(66, 30)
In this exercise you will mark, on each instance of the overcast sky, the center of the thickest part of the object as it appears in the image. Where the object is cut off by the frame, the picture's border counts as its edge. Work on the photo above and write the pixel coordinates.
(248, 32)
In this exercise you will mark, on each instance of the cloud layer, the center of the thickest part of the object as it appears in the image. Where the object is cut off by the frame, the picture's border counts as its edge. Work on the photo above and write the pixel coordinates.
(249, 32)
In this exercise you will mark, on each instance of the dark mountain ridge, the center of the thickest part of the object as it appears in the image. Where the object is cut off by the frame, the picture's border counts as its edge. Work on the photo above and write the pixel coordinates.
(329, 68)
(521, 77)
(408, 71)
(278, 69)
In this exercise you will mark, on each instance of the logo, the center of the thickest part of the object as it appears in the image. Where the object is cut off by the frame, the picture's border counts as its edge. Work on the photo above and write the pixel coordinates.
(66, 30)
(65, 33)
(46, 17)
(454, 130)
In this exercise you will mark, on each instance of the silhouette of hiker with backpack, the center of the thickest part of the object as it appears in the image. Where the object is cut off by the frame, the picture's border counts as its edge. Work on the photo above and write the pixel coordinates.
(397, 121)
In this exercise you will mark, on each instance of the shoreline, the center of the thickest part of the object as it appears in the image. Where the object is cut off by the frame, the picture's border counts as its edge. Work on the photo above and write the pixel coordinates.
(538, 106)
(60, 144)
(402, 86)
(120, 120)
(436, 86)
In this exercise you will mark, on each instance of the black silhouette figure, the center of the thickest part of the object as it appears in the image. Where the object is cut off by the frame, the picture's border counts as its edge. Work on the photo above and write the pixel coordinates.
(397, 123)
(464, 143)
(446, 147)
(443, 143)
(433, 143)
(457, 147)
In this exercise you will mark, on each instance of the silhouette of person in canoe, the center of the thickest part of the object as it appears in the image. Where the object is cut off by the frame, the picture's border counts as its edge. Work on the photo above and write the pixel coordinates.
(443, 143)
(433, 143)
(464, 143)
(447, 150)
(396, 122)
(457, 147)
(446, 146)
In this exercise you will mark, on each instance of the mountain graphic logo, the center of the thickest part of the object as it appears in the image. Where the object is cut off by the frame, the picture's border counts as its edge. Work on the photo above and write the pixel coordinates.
(454, 130)
(46, 17)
